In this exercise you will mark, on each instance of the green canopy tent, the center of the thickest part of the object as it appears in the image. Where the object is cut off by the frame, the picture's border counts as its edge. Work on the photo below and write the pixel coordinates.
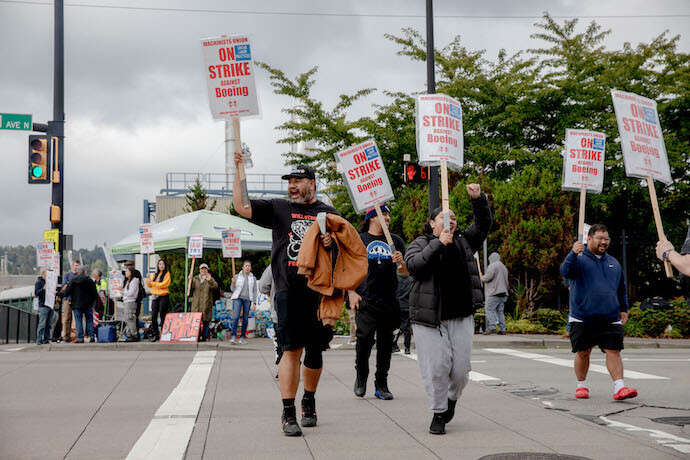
(173, 235)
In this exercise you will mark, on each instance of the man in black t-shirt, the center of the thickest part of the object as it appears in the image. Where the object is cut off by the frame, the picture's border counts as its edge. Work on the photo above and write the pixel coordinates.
(296, 305)
(376, 303)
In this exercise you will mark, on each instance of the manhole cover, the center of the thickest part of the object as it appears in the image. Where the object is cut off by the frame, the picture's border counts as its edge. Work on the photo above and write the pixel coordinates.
(678, 421)
(531, 456)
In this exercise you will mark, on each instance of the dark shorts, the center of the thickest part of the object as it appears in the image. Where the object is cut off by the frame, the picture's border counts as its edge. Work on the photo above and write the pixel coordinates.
(298, 324)
(586, 335)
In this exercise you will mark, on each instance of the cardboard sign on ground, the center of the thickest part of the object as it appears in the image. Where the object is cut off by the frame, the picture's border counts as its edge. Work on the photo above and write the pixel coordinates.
(583, 162)
(439, 130)
(181, 327)
(146, 239)
(229, 71)
(364, 175)
(232, 244)
(644, 151)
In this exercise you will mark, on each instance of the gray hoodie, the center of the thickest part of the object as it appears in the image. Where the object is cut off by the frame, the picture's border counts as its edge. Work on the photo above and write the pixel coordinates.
(496, 277)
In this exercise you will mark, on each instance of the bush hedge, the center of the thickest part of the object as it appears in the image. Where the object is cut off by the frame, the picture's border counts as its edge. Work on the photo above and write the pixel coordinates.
(655, 323)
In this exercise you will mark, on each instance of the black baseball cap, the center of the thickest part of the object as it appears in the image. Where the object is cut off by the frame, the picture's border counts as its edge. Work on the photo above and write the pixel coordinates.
(300, 172)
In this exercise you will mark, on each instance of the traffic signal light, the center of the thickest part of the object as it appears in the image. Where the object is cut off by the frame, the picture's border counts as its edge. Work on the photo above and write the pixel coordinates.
(39, 162)
(416, 174)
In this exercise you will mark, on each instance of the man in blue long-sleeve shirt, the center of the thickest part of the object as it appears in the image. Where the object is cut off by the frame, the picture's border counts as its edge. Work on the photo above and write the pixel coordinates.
(598, 309)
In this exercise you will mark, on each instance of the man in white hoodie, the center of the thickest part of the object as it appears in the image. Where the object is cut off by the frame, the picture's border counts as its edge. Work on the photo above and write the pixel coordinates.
(244, 293)
(496, 292)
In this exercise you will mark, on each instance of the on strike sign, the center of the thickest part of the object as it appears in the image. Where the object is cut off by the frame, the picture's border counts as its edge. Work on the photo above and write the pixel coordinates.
(146, 239)
(364, 175)
(44, 254)
(644, 152)
(439, 130)
(232, 246)
(229, 72)
(195, 248)
(583, 164)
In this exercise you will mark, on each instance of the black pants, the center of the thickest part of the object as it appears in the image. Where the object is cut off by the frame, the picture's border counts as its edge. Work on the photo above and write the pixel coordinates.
(369, 324)
(159, 307)
(405, 329)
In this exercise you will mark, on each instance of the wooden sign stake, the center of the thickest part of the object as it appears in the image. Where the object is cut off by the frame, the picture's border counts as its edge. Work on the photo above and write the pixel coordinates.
(581, 217)
(387, 233)
(444, 194)
(657, 220)
(240, 168)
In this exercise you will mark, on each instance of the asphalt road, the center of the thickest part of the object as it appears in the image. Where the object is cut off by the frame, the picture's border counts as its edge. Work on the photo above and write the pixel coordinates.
(92, 403)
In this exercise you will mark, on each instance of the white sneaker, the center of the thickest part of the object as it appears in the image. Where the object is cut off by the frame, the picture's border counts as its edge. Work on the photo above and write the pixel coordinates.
(242, 341)
(233, 341)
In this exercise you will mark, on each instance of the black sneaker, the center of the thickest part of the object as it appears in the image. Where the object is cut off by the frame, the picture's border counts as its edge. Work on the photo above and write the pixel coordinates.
(450, 412)
(308, 412)
(360, 386)
(382, 391)
(407, 350)
(396, 348)
(438, 424)
(290, 426)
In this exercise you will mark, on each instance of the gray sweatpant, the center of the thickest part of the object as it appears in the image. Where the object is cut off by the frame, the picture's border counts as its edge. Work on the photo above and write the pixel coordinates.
(444, 359)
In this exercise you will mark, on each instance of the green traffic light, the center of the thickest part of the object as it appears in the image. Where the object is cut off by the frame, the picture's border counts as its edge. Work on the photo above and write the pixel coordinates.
(36, 171)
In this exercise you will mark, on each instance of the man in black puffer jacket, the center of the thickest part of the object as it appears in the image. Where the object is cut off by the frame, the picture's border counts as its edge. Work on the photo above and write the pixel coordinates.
(446, 292)
(83, 291)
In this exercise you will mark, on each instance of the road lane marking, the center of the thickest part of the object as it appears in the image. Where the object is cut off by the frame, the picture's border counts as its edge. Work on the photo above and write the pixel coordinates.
(474, 376)
(336, 346)
(169, 432)
(649, 359)
(661, 437)
(569, 363)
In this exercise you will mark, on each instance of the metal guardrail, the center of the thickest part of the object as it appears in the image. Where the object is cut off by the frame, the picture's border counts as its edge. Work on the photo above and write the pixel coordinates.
(17, 325)
(220, 184)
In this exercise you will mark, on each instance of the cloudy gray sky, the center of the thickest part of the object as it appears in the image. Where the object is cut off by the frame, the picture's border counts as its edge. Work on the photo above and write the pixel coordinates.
(136, 101)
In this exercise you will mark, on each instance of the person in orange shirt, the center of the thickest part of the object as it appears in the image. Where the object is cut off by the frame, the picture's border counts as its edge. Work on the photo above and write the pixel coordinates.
(160, 305)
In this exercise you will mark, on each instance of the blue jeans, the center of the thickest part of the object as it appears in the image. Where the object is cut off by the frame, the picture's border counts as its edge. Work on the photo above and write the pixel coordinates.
(495, 318)
(79, 316)
(240, 306)
(43, 332)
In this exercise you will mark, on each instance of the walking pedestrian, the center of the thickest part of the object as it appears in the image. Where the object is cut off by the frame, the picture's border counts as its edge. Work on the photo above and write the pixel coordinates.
(130, 331)
(44, 313)
(202, 297)
(296, 305)
(405, 282)
(445, 294)
(598, 309)
(160, 298)
(496, 293)
(244, 293)
(67, 303)
(83, 294)
(376, 303)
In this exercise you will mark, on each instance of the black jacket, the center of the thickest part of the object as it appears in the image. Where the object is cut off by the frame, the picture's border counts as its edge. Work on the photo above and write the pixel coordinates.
(83, 291)
(423, 263)
(40, 291)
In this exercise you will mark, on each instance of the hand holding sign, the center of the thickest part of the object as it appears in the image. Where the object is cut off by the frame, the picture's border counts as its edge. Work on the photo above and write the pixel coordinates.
(578, 247)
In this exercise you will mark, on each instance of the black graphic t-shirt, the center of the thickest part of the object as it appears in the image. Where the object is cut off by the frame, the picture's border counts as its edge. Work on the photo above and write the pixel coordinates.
(380, 286)
(289, 222)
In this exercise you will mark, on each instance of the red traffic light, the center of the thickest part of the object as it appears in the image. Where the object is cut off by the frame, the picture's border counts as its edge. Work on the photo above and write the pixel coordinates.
(416, 174)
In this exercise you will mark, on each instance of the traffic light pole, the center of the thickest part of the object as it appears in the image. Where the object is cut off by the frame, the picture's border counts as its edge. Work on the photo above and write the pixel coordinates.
(434, 199)
(56, 128)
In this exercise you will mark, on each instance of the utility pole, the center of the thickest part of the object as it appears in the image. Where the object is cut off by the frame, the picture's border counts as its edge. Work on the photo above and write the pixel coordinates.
(56, 128)
(434, 198)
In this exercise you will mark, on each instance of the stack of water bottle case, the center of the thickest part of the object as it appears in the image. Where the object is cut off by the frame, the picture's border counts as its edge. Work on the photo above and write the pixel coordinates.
(260, 320)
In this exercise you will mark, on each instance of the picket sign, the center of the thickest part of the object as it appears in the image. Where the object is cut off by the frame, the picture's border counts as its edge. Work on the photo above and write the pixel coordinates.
(146, 239)
(232, 245)
(644, 151)
(195, 249)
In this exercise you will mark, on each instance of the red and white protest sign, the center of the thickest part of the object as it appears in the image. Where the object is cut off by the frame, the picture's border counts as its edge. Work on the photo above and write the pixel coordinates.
(642, 141)
(45, 255)
(229, 70)
(364, 175)
(146, 239)
(116, 283)
(51, 288)
(232, 245)
(181, 327)
(439, 130)
(583, 162)
(196, 246)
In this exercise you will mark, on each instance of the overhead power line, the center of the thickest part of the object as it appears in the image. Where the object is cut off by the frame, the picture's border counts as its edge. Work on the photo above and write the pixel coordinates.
(349, 15)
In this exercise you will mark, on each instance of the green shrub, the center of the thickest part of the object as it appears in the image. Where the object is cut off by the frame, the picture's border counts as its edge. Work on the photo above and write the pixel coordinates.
(342, 326)
(552, 320)
(524, 326)
(653, 323)
(479, 322)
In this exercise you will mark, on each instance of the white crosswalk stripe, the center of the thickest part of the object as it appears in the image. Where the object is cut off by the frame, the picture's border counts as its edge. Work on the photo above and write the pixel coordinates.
(474, 376)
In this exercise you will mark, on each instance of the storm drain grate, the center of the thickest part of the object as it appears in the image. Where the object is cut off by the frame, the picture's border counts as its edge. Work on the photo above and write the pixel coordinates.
(678, 421)
(531, 456)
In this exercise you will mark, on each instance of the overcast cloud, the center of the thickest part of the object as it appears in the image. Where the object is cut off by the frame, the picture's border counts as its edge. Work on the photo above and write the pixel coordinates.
(135, 95)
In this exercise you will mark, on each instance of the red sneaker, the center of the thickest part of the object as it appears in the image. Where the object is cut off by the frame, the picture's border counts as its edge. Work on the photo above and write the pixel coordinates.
(582, 393)
(625, 393)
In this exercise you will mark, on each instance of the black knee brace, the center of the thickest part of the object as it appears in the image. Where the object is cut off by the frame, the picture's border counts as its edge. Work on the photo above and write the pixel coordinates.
(313, 357)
